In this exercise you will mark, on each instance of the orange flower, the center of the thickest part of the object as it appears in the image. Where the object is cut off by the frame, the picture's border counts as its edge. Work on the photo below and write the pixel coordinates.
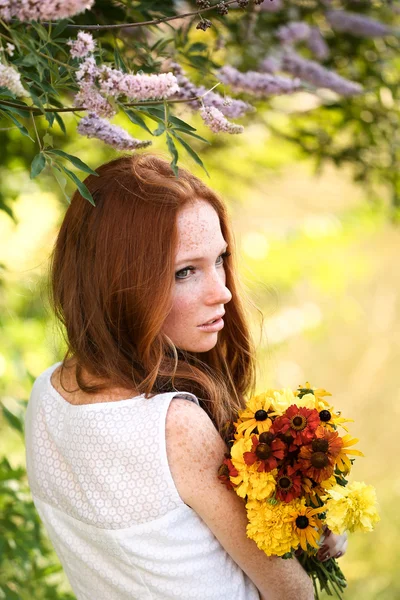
(316, 465)
(300, 423)
(267, 449)
(327, 441)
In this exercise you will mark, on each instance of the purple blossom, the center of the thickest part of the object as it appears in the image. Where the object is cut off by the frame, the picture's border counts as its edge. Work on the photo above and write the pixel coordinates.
(113, 82)
(270, 64)
(90, 98)
(216, 121)
(317, 75)
(257, 84)
(87, 71)
(271, 6)
(317, 44)
(11, 79)
(92, 126)
(229, 107)
(28, 10)
(296, 31)
(82, 46)
(355, 24)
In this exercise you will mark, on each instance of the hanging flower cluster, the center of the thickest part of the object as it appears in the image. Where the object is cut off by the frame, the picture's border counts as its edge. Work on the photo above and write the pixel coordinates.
(316, 74)
(42, 9)
(93, 126)
(97, 84)
(298, 31)
(357, 25)
(11, 79)
(261, 85)
(288, 462)
(216, 121)
(230, 107)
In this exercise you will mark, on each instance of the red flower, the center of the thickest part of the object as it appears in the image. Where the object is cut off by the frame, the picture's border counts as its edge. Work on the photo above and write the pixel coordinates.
(299, 422)
(225, 471)
(288, 484)
(267, 449)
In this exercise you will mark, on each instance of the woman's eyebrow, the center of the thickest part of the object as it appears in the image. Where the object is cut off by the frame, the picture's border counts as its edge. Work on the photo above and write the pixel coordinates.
(198, 258)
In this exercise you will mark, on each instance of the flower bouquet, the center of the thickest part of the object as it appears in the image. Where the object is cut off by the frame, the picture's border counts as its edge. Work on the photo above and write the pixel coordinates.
(288, 462)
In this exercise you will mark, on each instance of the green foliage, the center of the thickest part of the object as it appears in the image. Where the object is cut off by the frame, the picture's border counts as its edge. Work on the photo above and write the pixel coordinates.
(359, 131)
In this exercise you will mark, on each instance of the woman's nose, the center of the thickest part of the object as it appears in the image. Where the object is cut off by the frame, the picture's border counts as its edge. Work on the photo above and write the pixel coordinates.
(218, 293)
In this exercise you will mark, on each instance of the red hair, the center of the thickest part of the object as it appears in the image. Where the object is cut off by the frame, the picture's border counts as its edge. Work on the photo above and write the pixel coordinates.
(111, 283)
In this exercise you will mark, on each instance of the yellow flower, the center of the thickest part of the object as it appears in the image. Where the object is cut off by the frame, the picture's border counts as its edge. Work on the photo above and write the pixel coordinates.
(269, 527)
(249, 482)
(342, 461)
(318, 394)
(351, 508)
(313, 492)
(282, 399)
(254, 415)
(306, 525)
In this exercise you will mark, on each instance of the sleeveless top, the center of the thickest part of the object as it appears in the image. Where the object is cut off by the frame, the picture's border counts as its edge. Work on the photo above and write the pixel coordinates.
(102, 486)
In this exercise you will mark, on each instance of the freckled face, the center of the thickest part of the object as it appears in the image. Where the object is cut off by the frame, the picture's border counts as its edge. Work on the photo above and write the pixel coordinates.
(199, 292)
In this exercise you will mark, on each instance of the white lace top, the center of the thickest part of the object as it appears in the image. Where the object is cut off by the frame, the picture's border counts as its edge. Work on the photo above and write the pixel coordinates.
(101, 483)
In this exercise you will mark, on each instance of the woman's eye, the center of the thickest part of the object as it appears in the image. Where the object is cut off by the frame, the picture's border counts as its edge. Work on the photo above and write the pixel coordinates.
(224, 255)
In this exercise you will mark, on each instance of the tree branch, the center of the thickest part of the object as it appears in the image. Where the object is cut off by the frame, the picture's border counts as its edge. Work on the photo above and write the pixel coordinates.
(130, 25)
(35, 110)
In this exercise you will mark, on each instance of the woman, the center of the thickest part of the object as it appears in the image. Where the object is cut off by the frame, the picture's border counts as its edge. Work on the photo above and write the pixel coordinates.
(124, 479)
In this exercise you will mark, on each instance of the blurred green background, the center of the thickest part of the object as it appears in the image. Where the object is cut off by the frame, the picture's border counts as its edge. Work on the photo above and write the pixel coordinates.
(316, 255)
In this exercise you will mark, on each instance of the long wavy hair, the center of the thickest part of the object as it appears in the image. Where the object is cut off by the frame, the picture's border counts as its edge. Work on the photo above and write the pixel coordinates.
(111, 281)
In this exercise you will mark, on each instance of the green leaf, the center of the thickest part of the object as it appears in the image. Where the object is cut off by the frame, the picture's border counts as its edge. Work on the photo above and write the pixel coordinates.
(190, 150)
(136, 119)
(49, 116)
(198, 47)
(84, 192)
(77, 162)
(30, 60)
(160, 129)
(22, 129)
(60, 122)
(119, 60)
(37, 101)
(48, 139)
(59, 28)
(198, 137)
(13, 420)
(38, 164)
(181, 123)
(60, 180)
(174, 153)
(6, 92)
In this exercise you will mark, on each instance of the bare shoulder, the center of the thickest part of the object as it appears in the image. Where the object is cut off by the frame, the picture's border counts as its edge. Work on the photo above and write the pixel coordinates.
(193, 446)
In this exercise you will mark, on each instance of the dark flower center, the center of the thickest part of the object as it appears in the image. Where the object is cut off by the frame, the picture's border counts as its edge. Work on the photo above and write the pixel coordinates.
(325, 415)
(320, 445)
(302, 522)
(263, 451)
(266, 437)
(298, 422)
(285, 482)
(319, 460)
(223, 470)
(261, 415)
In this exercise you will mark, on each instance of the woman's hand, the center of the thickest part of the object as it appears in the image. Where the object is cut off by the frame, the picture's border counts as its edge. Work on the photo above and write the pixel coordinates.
(333, 546)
